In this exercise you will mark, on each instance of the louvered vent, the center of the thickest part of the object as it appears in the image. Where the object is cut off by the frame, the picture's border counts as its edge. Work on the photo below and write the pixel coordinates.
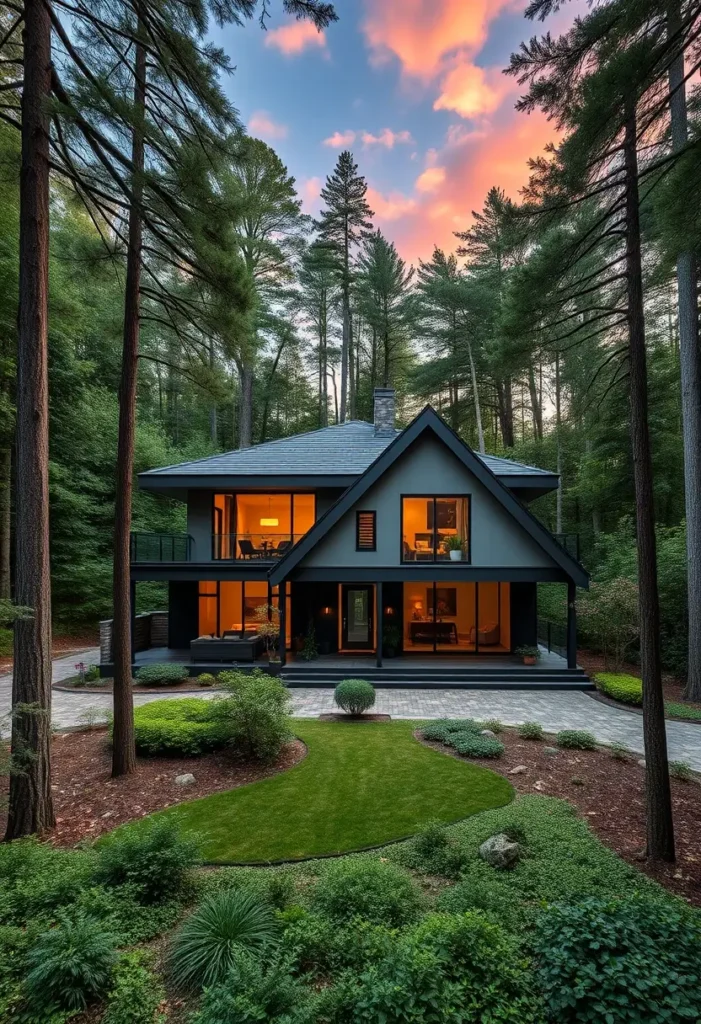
(365, 531)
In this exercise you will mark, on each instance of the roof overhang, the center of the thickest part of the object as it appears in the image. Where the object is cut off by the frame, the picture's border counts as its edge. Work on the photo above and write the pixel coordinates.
(172, 484)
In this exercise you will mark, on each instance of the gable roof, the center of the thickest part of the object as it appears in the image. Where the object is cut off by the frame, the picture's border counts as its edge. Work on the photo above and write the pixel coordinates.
(429, 420)
(340, 453)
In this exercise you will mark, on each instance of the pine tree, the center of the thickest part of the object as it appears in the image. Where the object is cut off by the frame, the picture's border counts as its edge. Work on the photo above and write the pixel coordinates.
(387, 305)
(319, 285)
(344, 222)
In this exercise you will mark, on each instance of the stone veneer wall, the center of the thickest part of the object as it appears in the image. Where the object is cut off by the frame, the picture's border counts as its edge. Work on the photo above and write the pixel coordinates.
(150, 630)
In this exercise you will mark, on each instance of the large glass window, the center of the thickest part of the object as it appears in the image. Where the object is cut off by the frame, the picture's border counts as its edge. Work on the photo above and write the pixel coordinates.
(260, 526)
(238, 607)
(436, 529)
(456, 617)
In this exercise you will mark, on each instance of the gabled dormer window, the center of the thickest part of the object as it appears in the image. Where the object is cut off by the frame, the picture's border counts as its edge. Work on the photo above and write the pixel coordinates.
(365, 536)
(435, 528)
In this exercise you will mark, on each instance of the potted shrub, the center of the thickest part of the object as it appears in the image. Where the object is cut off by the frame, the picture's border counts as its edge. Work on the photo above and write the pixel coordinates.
(529, 655)
(455, 547)
(391, 640)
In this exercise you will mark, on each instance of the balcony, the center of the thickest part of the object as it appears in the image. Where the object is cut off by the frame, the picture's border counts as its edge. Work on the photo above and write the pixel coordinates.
(160, 547)
(252, 547)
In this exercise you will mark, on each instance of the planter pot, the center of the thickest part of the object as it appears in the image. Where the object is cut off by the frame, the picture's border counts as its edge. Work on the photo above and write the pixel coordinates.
(325, 647)
(456, 556)
(530, 660)
(389, 653)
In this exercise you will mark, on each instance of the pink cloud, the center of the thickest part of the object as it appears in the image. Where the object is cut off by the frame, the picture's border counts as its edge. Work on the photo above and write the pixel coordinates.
(386, 138)
(430, 180)
(309, 190)
(294, 38)
(472, 91)
(340, 140)
(262, 126)
(390, 207)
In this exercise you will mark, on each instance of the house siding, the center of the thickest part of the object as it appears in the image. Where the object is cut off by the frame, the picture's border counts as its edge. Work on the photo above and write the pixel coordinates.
(428, 467)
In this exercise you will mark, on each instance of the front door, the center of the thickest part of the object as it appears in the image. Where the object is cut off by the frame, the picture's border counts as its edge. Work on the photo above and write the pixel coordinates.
(357, 612)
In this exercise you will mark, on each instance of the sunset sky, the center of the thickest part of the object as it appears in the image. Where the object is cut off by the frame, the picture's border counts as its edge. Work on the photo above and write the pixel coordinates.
(413, 87)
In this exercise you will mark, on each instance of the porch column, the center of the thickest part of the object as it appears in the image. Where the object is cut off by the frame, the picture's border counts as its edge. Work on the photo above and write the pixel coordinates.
(571, 624)
(282, 606)
(132, 620)
(380, 622)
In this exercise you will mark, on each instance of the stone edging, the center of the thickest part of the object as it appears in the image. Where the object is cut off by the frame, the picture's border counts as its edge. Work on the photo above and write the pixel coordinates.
(141, 689)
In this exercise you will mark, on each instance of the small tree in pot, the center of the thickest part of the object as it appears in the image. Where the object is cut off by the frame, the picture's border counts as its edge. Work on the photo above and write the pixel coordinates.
(455, 547)
(391, 640)
(354, 696)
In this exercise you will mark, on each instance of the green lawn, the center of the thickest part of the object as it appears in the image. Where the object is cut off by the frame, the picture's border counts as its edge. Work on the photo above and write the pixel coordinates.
(361, 784)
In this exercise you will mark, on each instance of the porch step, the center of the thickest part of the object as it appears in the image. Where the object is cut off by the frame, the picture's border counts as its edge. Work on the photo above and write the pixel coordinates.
(446, 679)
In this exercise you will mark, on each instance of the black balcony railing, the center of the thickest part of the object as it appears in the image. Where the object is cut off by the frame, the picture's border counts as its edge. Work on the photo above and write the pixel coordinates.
(247, 547)
(160, 547)
(553, 636)
(570, 542)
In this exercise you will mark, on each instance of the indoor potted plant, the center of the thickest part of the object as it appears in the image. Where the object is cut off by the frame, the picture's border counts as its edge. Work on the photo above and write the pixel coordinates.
(529, 655)
(453, 544)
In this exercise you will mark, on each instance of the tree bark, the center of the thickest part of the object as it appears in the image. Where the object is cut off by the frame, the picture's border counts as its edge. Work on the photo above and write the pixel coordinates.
(536, 410)
(476, 399)
(5, 521)
(690, 367)
(30, 807)
(660, 828)
(246, 407)
(506, 412)
(213, 433)
(558, 423)
(123, 746)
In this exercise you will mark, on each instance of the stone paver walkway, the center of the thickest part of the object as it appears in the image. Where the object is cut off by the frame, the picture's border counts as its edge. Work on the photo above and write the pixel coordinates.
(553, 709)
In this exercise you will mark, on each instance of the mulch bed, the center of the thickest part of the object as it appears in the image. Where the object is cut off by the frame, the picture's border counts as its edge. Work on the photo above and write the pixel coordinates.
(610, 794)
(105, 686)
(88, 802)
(61, 646)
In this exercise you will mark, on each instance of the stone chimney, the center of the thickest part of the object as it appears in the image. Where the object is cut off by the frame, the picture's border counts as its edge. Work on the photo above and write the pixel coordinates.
(384, 410)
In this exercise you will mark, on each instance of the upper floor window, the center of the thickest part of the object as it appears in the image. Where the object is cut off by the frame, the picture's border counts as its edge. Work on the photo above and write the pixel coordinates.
(436, 528)
(259, 526)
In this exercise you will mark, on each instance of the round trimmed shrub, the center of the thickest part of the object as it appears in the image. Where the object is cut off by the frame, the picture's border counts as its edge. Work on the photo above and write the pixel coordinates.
(469, 744)
(204, 948)
(363, 887)
(531, 731)
(620, 686)
(161, 675)
(354, 695)
(206, 679)
(576, 739)
(184, 726)
(623, 960)
(70, 965)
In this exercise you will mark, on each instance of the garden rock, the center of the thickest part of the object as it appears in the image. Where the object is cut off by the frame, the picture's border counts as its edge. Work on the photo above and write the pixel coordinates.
(184, 780)
(500, 852)
(551, 751)
(488, 732)
(641, 762)
(518, 770)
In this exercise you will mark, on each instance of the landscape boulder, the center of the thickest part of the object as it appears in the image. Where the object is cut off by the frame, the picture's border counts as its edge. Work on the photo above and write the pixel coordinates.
(500, 852)
(488, 732)
(184, 780)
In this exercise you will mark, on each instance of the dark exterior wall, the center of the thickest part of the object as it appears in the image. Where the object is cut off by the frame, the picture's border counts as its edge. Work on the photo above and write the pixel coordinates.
(308, 603)
(183, 625)
(393, 597)
(524, 615)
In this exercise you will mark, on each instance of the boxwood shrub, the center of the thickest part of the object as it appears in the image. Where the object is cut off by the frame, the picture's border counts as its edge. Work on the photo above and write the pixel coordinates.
(354, 695)
(471, 744)
(619, 686)
(184, 726)
(575, 739)
(161, 675)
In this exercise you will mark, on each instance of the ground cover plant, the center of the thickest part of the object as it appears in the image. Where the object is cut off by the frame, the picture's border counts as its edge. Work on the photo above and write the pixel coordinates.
(628, 689)
(161, 674)
(181, 726)
(355, 788)
(464, 735)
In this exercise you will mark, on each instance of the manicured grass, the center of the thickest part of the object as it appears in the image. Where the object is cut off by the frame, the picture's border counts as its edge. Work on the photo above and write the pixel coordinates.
(361, 784)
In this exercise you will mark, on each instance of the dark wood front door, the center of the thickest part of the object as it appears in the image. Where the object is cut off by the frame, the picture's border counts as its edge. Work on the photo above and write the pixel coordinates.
(357, 618)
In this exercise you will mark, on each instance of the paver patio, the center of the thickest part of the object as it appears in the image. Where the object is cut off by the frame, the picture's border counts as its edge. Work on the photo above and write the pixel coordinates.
(553, 709)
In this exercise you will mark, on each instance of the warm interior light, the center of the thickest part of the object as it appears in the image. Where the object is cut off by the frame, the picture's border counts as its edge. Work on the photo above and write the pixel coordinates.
(327, 610)
(418, 605)
(270, 522)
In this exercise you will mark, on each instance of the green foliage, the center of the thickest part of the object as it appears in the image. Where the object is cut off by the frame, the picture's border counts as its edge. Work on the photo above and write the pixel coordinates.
(184, 726)
(447, 966)
(619, 751)
(676, 710)
(470, 744)
(152, 855)
(254, 992)
(39, 881)
(527, 651)
(6, 642)
(136, 993)
(204, 948)
(70, 965)
(623, 961)
(434, 851)
(442, 728)
(493, 724)
(354, 696)
(310, 649)
(681, 770)
(318, 945)
(619, 686)
(576, 739)
(14, 946)
(161, 675)
(254, 715)
(531, 731)
(92, 673)
(206, 679)
(368, 888)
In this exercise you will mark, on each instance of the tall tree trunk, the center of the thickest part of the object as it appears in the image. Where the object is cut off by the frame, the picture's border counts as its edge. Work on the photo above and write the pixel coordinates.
(30, 805)
(344, 358)
(213, 408)
(505, 411)
(660, 828)
(5, 520)
(476, 399)
(690, 366)
(335, 395)
(536, 410)
(558, 439)
(246, 407)
(123, 746)
(352, 370)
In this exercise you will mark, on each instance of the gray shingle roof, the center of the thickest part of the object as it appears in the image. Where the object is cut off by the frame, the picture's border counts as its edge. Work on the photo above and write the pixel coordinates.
(343, 450)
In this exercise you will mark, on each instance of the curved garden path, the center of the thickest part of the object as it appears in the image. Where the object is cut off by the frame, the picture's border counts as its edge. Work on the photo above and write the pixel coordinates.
(553, 709)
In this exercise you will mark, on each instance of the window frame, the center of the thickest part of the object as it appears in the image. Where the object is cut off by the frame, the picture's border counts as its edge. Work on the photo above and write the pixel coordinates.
(366, 512)
(434, 497)
(233, 537)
